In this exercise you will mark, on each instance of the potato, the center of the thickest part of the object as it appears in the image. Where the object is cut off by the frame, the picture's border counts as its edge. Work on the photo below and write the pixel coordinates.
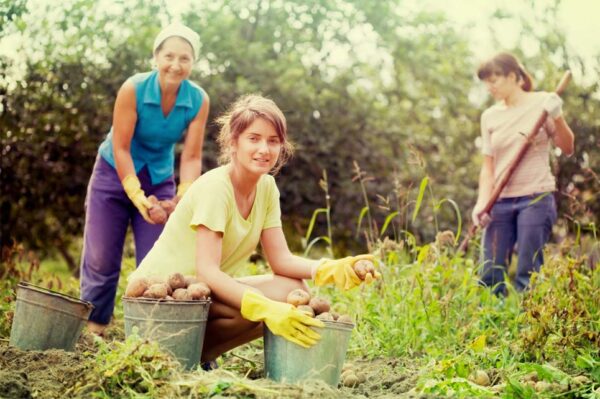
(298, 297)
(189, 280)
(160, 280)
(168, 206)
(156, 291)
(325, 316)
(362, 267)
(335, 315)
(157, 214)
(319, 305)
(350, 380)
(307, 309)
(182, 294)
(362, 377)
(199, 290)
(169, 298)
(541, 386)
(176, 280)
(345, 319)
(136, 287)
(480, 377)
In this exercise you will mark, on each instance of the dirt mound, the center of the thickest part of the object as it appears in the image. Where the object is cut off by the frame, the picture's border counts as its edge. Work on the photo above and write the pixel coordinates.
(46, 374)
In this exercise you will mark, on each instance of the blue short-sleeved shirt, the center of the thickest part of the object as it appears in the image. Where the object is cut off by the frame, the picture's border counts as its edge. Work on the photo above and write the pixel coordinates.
(154, 135)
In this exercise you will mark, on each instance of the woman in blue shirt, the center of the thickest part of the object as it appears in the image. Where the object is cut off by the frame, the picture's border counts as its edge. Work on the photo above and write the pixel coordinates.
(153, 111)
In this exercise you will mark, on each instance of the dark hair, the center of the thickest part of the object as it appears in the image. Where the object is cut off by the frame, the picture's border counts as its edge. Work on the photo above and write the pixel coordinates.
(503, 64)
(241, 114)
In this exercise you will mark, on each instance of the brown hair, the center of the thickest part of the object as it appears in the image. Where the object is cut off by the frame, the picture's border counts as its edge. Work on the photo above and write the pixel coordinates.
(242, 114)
(503, 64)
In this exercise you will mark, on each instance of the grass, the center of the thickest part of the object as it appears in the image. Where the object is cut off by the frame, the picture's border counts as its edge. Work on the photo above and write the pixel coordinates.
(426, 329)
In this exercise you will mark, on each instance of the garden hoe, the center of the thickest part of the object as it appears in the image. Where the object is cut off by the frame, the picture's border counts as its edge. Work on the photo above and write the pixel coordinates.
(484, 215)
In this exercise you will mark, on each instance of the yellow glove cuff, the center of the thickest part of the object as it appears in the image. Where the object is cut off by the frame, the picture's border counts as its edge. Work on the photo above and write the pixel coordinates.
(183, 187)
(132, 185)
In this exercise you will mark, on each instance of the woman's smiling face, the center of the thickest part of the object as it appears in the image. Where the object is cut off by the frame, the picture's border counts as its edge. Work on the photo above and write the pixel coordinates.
(257, 148)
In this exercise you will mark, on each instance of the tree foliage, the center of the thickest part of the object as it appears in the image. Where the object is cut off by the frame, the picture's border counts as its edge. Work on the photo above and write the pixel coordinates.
(358, 81)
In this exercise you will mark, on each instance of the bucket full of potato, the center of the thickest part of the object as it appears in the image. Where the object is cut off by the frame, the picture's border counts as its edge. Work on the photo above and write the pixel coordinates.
(172, 311)
(288, 362)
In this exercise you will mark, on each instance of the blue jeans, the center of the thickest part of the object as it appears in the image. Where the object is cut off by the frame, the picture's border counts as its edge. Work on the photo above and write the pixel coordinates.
(526, 221)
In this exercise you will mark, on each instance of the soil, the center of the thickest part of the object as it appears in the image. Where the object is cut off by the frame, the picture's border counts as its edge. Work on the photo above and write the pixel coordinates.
(53, 373)
(38, 374)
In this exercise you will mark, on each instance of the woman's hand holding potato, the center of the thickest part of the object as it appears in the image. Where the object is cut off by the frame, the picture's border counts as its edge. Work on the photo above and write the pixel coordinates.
(345, 273)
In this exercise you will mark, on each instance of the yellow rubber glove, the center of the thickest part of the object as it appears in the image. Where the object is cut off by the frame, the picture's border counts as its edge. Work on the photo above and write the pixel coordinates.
(183, 187)
(133, 189)
(341, 273)
(282, 318)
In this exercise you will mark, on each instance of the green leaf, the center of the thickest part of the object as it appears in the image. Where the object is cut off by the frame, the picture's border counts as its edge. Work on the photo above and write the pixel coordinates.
(363, 212)
(314, 241)
(313, 219)
(388, 219)
(422, 188)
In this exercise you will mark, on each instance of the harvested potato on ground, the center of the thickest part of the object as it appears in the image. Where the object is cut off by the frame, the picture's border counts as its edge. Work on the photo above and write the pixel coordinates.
(182, 294)
(176, 280)
(298, 297)
(480, 377)
(156, 291)
(325, 316)
(168, 206)
(363, 267)
(199, 290)
(136, 287)
(362, 377)
(350, 380)
(345, 319)
(319, 305)
(307, 309)
(189, 280)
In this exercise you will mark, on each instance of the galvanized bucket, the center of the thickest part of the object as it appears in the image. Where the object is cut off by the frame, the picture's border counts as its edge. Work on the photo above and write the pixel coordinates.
(178, 326)
(288, 362)
(46, 319)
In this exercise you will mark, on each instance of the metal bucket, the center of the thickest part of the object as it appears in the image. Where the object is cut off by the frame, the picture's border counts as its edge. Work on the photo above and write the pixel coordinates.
(289, 362)
(178, 326)
(46, 319)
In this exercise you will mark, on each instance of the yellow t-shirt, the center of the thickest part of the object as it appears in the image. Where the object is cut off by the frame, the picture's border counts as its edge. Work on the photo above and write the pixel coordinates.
(210, 201)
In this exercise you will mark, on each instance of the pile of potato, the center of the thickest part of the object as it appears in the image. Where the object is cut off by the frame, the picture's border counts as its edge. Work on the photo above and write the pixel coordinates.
(175, 288)
(351, 377)
(316, 307)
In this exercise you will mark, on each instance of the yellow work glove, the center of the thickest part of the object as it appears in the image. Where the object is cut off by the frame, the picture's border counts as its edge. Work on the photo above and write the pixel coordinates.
(134, 191)
(341, 273)
(282, 318)
(183, 187)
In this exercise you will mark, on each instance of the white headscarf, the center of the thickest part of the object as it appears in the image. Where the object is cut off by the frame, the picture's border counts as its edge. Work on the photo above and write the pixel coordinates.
(179, 30)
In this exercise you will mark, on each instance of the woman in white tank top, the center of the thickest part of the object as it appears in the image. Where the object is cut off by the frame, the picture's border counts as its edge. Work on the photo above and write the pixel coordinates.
(525, 211)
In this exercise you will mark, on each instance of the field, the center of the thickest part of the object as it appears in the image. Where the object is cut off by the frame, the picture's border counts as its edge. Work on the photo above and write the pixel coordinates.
(427, 329)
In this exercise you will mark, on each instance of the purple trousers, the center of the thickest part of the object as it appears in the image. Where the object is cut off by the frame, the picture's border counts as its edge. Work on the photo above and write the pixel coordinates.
(108, 215)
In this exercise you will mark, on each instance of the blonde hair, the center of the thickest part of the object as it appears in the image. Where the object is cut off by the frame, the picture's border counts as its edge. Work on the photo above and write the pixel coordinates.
(503, 64)
(242, 114)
